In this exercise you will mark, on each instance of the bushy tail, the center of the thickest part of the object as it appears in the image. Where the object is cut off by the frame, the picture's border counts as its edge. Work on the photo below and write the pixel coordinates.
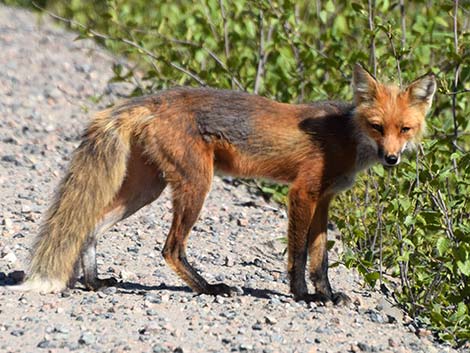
(95, 175)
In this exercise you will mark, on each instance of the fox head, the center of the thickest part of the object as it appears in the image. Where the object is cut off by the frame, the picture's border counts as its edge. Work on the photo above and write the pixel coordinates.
(392, 118)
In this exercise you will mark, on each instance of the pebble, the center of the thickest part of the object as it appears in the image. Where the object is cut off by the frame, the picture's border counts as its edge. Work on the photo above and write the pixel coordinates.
(10, 257)
(375, 316)
(17, 333)
(422, 332)
(126, 276)
(87, 338)
(46, 344)
(160, 349)
(7, 223)
(151, 312)
(270, 320)
(11, 159)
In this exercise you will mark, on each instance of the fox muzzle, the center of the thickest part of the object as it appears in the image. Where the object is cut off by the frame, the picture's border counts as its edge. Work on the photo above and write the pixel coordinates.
(389, 159)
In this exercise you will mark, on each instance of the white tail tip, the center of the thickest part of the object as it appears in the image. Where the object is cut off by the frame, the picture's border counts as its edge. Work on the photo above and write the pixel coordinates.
(39, 285)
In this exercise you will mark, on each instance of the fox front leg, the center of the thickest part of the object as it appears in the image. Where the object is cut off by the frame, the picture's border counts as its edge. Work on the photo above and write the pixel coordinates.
(318, 253)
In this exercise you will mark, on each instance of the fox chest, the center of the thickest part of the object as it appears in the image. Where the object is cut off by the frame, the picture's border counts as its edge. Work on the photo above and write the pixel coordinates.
(342, 182)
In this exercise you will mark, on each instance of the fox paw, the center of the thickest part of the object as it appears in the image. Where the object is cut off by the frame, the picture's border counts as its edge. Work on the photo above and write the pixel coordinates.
(312, 298)
(221, 289)
(337, 298)
(340, 299)
(99, 283)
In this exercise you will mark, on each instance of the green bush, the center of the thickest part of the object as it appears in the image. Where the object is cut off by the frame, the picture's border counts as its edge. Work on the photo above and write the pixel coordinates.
(407, 227)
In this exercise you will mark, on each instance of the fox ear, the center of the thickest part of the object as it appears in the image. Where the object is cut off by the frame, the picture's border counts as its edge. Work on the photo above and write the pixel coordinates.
(364, 85)
(421, 91)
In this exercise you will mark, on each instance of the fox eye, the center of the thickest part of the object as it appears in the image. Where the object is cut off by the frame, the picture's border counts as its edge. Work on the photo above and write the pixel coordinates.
(377, 127)
(404, 130)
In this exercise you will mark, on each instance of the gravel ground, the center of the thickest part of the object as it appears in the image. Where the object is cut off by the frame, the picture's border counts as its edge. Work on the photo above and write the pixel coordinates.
(48, 86)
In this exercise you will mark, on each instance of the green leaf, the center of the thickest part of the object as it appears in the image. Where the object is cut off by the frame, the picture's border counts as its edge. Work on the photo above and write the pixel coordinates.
(330, 244)
(323, 16)
(330, 6)
(464, 267)
(371, 278)
(442, 245)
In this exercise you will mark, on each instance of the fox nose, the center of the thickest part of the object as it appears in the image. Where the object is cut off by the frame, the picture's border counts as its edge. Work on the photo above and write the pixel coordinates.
(391, 159)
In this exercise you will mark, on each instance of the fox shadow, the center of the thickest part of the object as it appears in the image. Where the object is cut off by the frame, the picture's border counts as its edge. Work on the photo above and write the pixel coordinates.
(131, 288)
(16, 277)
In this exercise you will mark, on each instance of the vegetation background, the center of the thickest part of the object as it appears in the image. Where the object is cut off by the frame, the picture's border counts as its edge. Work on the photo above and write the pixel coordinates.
(407, 230)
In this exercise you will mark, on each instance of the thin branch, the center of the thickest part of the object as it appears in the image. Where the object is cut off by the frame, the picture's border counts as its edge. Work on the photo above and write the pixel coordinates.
(227, 43)
(289, 31)
(441, 205)
(372, 59)
(224, 19)
(260, 70)
(145, 51)
(403, 24)
(403, 265)
(396, 56)
(211, 25)
(457, 92)
(456, 77)
(214, 56)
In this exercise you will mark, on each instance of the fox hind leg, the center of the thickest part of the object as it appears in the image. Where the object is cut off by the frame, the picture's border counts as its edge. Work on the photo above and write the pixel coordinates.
(88, 256)
(188, 197)
(143, 184)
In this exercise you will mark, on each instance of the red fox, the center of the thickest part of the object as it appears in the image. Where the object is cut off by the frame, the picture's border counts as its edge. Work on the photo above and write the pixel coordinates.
(132, 151)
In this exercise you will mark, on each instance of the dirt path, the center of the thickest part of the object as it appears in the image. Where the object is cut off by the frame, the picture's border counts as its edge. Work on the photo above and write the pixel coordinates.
(48, 83)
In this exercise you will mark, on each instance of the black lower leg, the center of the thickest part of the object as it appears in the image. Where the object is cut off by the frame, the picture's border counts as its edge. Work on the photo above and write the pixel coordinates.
(298, 286)
(320, 279)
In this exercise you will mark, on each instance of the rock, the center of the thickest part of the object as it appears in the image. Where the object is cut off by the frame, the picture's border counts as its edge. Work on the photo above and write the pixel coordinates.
(152, 328)
(165, 298)
(270, 320)
(151, 312)
(10, 257)
(26, 209)
(8, 223)
(245, 347)
(87, 338)
(46, 344)
(61, 329)
(127, 276)
(17, 333)
(229, 262)
(242, 222)
(422, 332)
(11, 159)
(364, 347)
(393, 313)
(392, 343)
(160, 349)
(375, 316)
(109, 290)
(152, 298)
